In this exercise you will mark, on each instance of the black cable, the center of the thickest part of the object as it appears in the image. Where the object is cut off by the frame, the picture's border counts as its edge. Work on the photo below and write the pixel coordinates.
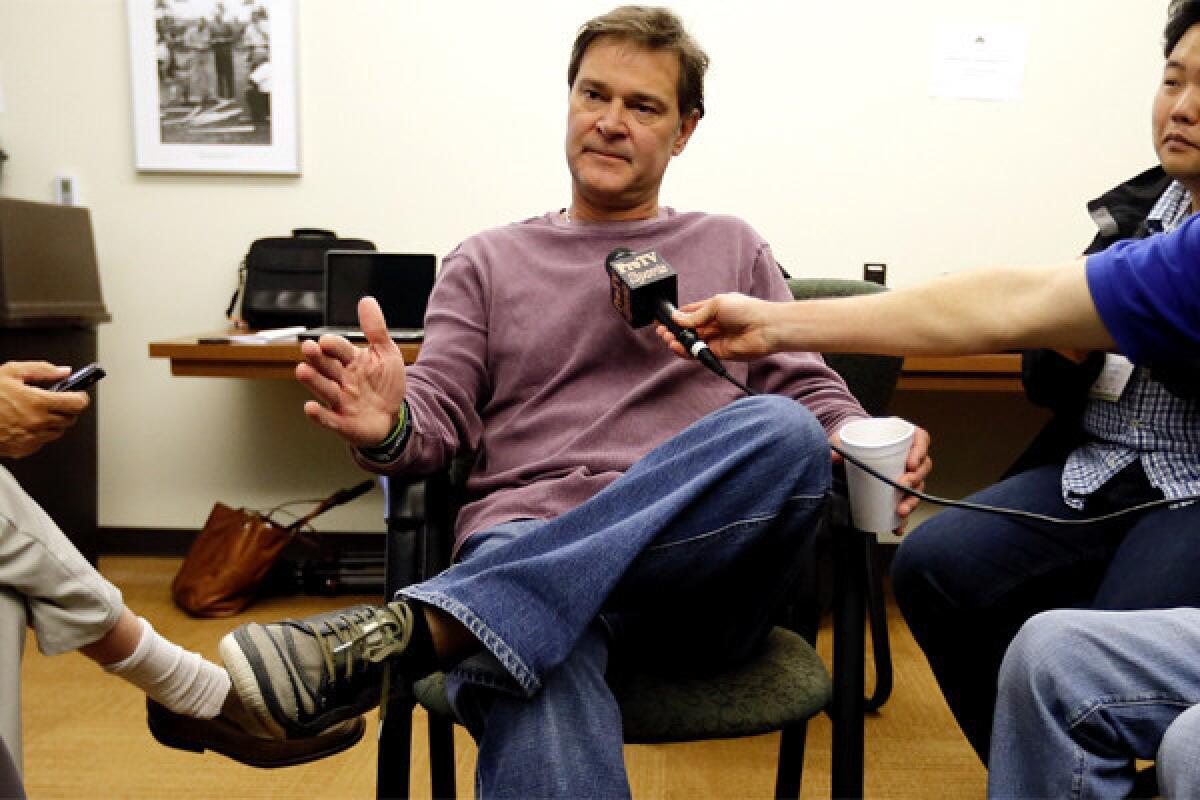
(968, 505)
(1011, 512)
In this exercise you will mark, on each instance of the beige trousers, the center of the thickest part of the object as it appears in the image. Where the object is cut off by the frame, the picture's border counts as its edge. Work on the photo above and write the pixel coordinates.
(46, 584)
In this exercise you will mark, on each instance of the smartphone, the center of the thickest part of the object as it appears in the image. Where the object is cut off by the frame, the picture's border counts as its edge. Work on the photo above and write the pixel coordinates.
(80, 380)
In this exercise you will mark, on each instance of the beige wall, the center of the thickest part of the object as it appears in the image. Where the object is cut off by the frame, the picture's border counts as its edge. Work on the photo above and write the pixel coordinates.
(423, 121)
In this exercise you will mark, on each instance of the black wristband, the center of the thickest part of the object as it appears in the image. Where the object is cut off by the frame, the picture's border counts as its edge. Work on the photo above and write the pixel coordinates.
(391, 447)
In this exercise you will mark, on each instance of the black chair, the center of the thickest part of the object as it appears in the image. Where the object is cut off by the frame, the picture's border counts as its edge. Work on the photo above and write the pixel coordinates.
(654, 709)
(873, 380)
(420, 529)
(10, 776)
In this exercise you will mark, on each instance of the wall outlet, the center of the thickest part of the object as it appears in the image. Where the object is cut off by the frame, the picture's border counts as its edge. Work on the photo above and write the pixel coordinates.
(875, 273)
(65, 190)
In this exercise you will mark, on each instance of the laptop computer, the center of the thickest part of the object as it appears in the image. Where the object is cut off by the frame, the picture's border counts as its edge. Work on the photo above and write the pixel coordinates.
(401, 282)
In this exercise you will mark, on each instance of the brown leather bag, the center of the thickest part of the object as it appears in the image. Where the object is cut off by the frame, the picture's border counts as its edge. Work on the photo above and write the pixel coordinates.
(234, 551)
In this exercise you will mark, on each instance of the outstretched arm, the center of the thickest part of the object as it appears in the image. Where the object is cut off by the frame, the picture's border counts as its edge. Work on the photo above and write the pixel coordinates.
(359, 390)
(981, 311)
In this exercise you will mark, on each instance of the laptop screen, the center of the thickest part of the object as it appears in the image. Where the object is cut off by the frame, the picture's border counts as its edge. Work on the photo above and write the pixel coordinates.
(401, 282)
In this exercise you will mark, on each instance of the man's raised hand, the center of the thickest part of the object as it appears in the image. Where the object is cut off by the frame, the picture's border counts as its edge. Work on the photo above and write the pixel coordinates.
(358, 390)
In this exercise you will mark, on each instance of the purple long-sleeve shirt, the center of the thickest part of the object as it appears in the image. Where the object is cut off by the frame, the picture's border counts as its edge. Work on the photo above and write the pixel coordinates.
(526, 362)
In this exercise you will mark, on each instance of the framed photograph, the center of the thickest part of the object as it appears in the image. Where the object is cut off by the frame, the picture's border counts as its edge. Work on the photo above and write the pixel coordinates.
(214, 85)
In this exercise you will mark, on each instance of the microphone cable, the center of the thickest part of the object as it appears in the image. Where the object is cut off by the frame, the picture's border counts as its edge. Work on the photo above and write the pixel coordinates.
(967, 504)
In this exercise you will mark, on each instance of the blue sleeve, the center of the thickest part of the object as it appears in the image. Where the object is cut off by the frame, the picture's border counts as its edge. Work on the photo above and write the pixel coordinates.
(1148, 293)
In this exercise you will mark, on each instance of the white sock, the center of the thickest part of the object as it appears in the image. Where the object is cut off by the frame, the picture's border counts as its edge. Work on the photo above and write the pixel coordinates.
(181, 680)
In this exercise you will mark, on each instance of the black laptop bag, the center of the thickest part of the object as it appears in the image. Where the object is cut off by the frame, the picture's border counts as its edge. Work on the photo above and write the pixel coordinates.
(284, 278)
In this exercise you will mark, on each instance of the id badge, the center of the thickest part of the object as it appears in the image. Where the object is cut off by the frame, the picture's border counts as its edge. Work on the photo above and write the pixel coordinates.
(1113, 378)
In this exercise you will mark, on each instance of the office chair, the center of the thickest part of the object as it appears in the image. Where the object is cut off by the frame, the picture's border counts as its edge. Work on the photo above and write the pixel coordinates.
(872, 380)
(13, 627)
(655, 709)
(10, 777)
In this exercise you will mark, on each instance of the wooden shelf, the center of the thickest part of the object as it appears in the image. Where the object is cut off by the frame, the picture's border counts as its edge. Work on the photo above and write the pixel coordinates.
(275, 361)
(189, 358)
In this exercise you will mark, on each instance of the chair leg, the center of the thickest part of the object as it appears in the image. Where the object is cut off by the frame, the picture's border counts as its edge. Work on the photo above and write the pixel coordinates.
(849, 618)
(790, 772)
(441, 758)
(395, 743)
(880, 645)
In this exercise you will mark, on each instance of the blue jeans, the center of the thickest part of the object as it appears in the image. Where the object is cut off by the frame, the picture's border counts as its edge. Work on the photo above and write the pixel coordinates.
(966, 581)
(1085, 693)
(679, 562)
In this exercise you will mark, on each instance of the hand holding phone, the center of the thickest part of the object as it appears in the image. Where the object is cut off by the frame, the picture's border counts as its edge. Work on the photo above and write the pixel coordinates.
(80, 380)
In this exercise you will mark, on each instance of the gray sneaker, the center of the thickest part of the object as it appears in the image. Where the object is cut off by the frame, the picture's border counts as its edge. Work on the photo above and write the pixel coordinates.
(298, 677)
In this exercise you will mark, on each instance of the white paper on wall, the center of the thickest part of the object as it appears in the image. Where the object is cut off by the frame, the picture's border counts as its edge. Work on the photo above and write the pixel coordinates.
(978, 62)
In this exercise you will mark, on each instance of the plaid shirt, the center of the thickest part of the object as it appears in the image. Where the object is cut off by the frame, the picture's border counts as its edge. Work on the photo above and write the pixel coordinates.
(1146, 422)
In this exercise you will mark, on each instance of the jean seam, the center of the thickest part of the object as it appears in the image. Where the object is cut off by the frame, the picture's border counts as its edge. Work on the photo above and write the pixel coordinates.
(1103, 703)
(507, 657)
(737, 523)
(1123, 701)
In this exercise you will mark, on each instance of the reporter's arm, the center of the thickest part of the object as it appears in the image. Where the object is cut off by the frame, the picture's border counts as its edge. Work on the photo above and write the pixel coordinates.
(981, 311)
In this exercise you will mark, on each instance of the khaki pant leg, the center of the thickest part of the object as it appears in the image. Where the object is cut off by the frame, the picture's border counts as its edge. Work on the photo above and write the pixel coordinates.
(70, 604)
(12, 645)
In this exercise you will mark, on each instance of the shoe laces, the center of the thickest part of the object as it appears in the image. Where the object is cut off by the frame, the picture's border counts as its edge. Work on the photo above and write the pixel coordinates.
(362, 636)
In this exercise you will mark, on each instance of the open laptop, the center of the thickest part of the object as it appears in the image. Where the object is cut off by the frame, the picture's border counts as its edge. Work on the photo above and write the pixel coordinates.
(401, 282)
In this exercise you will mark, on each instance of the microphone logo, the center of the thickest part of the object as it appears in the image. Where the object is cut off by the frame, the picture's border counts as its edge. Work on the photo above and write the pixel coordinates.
(638, 282)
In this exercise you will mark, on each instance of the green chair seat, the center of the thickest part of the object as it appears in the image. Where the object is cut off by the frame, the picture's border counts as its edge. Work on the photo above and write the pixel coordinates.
(785, 683)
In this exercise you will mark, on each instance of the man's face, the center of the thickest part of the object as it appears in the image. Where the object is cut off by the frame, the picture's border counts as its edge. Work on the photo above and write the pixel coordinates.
(623, 127)
(1176, 116)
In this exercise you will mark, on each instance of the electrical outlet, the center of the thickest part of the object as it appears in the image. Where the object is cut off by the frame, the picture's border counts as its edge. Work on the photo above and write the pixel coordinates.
(65, 190)
(875, 273)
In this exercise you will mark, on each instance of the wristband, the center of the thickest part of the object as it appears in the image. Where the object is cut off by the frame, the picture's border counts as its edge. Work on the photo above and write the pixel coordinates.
(396, 430)
(391, 447)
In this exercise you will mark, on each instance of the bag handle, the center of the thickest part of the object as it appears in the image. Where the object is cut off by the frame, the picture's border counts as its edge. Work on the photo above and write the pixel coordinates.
(313, 233)
(340, 497)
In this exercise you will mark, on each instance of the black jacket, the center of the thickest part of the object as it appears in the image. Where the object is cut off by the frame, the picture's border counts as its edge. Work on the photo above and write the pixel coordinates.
(1060, 384)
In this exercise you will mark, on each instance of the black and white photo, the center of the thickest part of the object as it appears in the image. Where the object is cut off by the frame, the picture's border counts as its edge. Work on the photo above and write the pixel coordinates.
(214, 85)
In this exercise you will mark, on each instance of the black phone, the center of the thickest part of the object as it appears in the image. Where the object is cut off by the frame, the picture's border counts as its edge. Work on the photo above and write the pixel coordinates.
(80, 380)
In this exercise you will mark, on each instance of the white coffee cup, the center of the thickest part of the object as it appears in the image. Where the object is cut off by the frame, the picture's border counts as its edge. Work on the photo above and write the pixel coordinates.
(881, 443)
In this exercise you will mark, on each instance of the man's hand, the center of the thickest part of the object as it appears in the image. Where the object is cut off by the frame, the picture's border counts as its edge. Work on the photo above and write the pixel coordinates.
(31, 417)
(917, 467)
(359, 390)
(733, 325)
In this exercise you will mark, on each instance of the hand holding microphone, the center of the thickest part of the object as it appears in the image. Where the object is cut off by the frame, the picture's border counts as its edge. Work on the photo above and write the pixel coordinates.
(735, 326)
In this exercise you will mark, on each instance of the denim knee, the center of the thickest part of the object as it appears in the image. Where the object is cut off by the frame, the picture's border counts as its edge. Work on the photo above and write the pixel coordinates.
(789, 432)
(1049, 654)
(1178, 760)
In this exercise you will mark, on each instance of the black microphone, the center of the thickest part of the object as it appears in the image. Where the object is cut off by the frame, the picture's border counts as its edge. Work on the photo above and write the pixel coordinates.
(645, 288)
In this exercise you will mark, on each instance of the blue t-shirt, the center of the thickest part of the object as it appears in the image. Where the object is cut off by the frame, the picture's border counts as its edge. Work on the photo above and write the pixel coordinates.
(1147, 292)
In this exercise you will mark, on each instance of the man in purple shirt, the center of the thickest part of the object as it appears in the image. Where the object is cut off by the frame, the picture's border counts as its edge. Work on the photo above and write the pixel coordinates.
(624, 502)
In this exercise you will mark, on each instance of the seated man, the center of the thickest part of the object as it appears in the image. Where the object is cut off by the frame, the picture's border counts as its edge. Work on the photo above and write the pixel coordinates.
(966, 582)
(47, 583)
(623, 502)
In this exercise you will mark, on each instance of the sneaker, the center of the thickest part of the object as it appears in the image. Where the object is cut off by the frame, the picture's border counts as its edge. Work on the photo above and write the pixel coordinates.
(298, 677)
(235, 734)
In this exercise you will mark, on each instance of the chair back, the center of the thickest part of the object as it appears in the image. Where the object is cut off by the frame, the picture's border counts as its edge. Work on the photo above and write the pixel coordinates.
(871, 378)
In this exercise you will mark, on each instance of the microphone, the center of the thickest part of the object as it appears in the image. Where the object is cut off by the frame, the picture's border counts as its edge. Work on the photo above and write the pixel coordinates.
(645, 288)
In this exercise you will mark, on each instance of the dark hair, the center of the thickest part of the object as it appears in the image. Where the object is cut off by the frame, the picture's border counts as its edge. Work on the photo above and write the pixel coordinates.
(1181, 16)
(656, 29)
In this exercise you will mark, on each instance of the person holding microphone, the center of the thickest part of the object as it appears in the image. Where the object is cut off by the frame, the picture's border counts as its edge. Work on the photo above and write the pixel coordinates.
(1082, 694)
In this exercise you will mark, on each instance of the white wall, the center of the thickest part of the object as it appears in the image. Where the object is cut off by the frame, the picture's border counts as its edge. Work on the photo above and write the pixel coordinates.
(423, 121)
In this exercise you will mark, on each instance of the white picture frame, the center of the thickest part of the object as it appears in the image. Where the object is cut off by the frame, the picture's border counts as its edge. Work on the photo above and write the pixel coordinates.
(214, 86)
